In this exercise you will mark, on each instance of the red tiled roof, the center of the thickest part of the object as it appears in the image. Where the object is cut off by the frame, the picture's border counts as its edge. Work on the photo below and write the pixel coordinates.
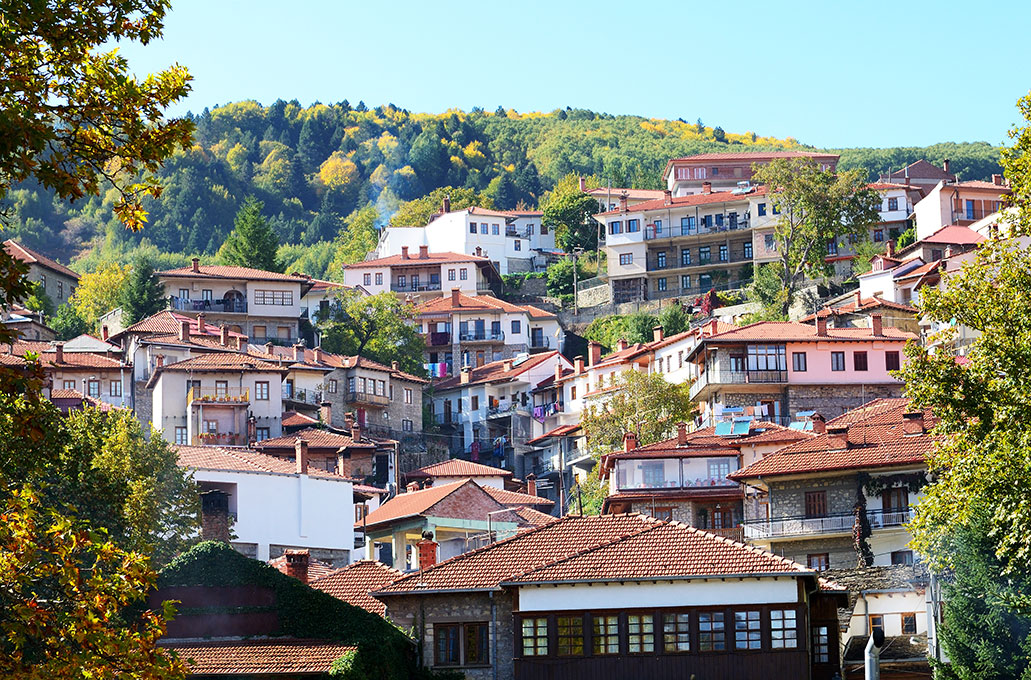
(887, 186)
(328, 360)
(316, 438)
(799, 332)
(633, 194)
(921, 169)
(320, 285)
(560, 431)
(875, 438)
(77, 396)
(456, 467)
(506, 497)
(414, 259)
(979, 184)
(277, 657)
(486, 212)
(954, 235)
(495, 371)
(415, 503)
(23, 254)
(866, 303)
(691, 199)
(920, 271)
(167, 322)
(215, 271)
(224, 361)
(243, 460)
(48, 356)
(596, 548)
(477, 303)
(534, 518)
(316, 567)
(705, 442)
(748, 155)
(295, 419)
(353, 583)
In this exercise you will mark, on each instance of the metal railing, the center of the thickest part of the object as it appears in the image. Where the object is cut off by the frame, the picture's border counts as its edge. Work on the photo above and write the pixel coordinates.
(367, 398)
(718, 377)
(653, 264)
(502, 410)
(235, 306)
(415, 288)
(282, 342)
(438, 339)
(482, 336)
(215, 395)
(302, 395)
(219, 439)
(540, 342)
(829, 524)
(651, 232)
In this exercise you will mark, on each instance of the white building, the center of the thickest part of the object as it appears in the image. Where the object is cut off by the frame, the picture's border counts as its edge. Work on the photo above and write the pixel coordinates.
(423, 275)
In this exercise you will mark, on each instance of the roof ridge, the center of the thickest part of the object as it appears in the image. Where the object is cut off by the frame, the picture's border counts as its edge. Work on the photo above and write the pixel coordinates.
(649, 523)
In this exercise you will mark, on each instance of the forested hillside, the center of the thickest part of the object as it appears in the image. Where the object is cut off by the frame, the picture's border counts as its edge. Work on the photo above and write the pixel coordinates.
(313, 167)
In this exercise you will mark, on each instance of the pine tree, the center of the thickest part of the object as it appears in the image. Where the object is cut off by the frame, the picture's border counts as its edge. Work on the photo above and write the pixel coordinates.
(143, 294)
(252, 242)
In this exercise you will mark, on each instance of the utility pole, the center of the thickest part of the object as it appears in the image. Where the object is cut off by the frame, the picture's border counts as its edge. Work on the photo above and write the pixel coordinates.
(577, 252)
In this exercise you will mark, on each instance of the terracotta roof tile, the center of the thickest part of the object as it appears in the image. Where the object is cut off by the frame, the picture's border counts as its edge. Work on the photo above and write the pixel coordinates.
(77, 396)
(316, 438)
(167, 322)
(510, 498)
(793, 331)
(534, 518)
(316, 567)
(23, 254)
(295, 419)
(48, 357)
(633, 194)
(980, 184)
(415, 503)
(866, 304)
(495, 371)
(224, 361)
(560, 431)
(414, 260)
(691, 199)
(705, 443)
(758, 155)
(954, 235)
(328, 360)
(477, 303)
(456, 467)
(213, 271)
(243, 460)
(921, 169)
(353, 583)
(278, 657)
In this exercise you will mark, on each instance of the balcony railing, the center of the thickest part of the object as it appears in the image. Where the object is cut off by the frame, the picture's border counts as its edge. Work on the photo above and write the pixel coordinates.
(654, 265)
(305, 396)
(718, 377)
(230, 396)
(482, 336)
(415, 288)
(289, 341)
(219, 439)
(652, 232)
(697, 483)
(501, 411)
(436, 339)
(540, 342)
(367, 398)
(829, 524)
(235, 306)
(518, 233)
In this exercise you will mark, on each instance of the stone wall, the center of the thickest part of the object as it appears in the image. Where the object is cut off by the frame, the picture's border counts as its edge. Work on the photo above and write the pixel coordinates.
(591, 297)
(840, 551)
(417, 614)
(833, 400)
(334, 556)
(732, 399)
(400, 411)
(787, 499)
(143, 405)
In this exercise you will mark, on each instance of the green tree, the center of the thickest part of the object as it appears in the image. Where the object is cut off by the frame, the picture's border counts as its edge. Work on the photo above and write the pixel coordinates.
(719, 135)
(569, 212)
(865, 251)
(1016, 160)
(817, 207)
(379, 327)
(142, 295)
(560, 276)
(98, 293)
(39, 301)
(252, 243)
(767, 291)
(674, 319)
(908, 237)
(358, 238)
(67, 323)
(611, 328)
(417, 213)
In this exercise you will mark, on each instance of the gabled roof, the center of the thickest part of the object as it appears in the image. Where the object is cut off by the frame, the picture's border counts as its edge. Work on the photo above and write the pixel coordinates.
(321, 359)
(921, 169)
(560, 431)
(65, 399)
(982, 185)
(295, 419)
(215, 271)
(415, 260)
(596, 548)
(689, 200)
(496, 372)
(793, 331)
(353, 583)
(477, 303)
(534, 518)
(69, 360)
(223, 361)
(755, 156)
(875, 439)
(243, 460)
(865, 304)
(262, 657)
(23, 254)
(416, 503)
(456, 467)
(705, 442)
(633, 194)
(953, 234)
(316, 438)
(167, 322)
(510, 498)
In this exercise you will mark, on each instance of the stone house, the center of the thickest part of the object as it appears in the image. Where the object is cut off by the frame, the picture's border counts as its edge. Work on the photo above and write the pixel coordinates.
(618, 596)
(85, 365)
(57, 280)
(855, 311)
(865, 468)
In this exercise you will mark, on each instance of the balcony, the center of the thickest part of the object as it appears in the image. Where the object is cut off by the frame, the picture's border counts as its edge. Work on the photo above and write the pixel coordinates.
(288, 341)
(501, 411)
(517, 233)
(445, 418)
(653, 264)
(219, 439)
(415, 287)
(482, 336)
(540, 342)
(312, 397)
(652, 232)
(222, 396)
(785, 527)
(367, 398)
(230, 306)
(437, 339)
(714, 377)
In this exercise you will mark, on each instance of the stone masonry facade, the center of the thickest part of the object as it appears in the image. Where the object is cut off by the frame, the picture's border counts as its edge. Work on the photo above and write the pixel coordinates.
(787, 499)
(840, 552)
(833, 400)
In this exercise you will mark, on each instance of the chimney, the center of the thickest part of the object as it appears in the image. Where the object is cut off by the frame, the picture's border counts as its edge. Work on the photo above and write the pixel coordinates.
(466, 372)
(349, 421)
(223, 334)
(859, 299)
(531, 484)
(667, 197)
(201, 324)
(59, 352)
(889, 248)
(427, 550)
(656, 333)
(424, 252)
(104, 333)
(184, 331)
(681, 434)
(479, 251)
(160, 360)
(412, 487)
(404, 252)
(196, 265)
(629, 441)
(997, 180)
(594, 353)
(913, 422)
(558, 371)
(821, 325)
(297, 564)
(301, 456)
(326, 413)
(623, 201)
(945, 165)
(356, 430)
(269, 347)
(578, 365)
(622, 344)
(714, 326)
(455, 297)
(506, 365)
(875, 323)
(446, 205)
(299, 352)
(819, 423)
(316, 355)
(949, 252)
(241, 342)
(837, 437)
(706, 187)
(214, 516)
(583, 185)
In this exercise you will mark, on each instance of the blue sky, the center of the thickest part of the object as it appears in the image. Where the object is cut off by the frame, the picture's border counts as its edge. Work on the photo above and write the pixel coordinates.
(827, 73)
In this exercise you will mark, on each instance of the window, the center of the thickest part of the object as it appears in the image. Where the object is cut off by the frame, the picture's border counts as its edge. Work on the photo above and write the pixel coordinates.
(909, 624)
(570, 635)
(761, 209)
(878, 235)
(407, 426)
(658, 227)
(767, 358)
(332, 386)
(832, 247)
(43, 282)
(724, 252)
(664, 514)
(211, 426)
(685, 281)
(711, 633)
(382, 388)
(434, 278)
(685, 257)
(261, 390)
(891, 361)
(747, 250)
(902, 557)
(626, 259)
(262, 433)
(616, 227)
(408, 395)
(280, 297)
(69, 384)
(770, 242)
(719, 468)
(606, 634)
(93, 388)
(747, 630)
(544, 229)
(401, 281)
(783, 629)
(640, 633)
(535, 636)
(572, 392)
(222, 388)
(704, 255)
(446, 645)
(472, 227)
(660, 284)
(366, 280)
(518, 245)
(474, 402)
(815, 503)
(705, 281)
(463, 274)
(451, 274)
(516, 327)
(821, 644)
(60, 290)
(494, 230)
(184, 293)
(686, 226)
(776, 209)
(818, 561)
(483, 228)
(719, 219)
(706, 221)
(180, 434)
(676, 633)
(798, 361)
(115, 388)
(837, 361)
(205, 294)
(476, 643)
(969, 209)
(859, 361)
(715, 172)
(876, 621)
(660, 259)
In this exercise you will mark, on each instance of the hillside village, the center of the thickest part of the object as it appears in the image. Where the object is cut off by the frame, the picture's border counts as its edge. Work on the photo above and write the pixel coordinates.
(768, 529)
